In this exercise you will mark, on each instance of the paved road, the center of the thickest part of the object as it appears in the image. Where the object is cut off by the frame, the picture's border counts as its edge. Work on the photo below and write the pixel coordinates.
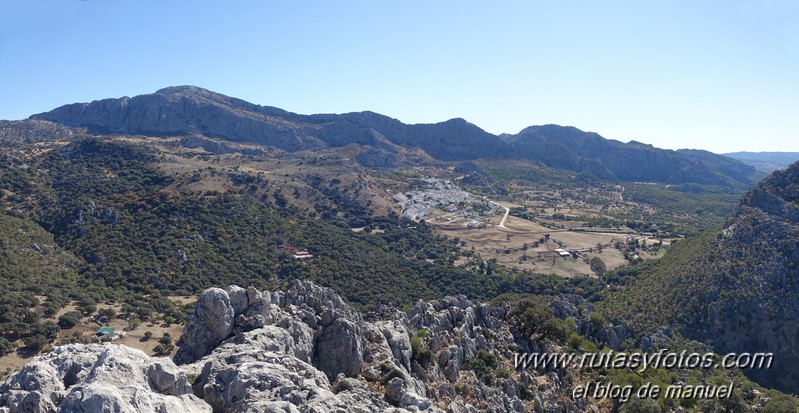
(504, 217)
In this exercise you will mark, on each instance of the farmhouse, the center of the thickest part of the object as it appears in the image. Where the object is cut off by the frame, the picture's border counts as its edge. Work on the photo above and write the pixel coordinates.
(562, 252)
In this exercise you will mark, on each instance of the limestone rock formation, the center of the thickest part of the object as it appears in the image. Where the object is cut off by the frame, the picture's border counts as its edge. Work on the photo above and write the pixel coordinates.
(211, 323)
(98, 378)
(752, 303)
(299, 350)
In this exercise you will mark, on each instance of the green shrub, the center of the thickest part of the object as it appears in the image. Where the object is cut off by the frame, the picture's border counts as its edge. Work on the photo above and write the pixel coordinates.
(5, 346)
(525, 393)
(416, 346)
(532, 318)
(597, 321)
(419, 350)
(571, 325)
(781, 404)
(388, 372)
(163, 349)
(575, 341)
(636, 405)
(341, 386)
(166, 339)
(516, 348)
(193, 378)
(483, 366)
(463, 389)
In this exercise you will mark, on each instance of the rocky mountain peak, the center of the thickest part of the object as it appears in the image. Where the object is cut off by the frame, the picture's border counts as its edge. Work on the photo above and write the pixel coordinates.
(777, 195)
(185, 90)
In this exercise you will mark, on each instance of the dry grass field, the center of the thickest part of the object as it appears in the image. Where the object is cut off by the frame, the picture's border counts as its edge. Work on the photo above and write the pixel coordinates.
(531, 245)
(87, 329)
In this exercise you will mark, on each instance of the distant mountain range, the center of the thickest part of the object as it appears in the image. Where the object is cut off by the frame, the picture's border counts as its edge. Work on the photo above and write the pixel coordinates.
(186, 110)
(766, 161)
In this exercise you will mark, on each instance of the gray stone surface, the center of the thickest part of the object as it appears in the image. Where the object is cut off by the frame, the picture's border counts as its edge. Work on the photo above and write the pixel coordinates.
(99, 378)
(302, 350)
(210, 324)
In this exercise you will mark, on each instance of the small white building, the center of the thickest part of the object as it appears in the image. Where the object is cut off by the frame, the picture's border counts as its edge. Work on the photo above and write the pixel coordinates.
(302, 255)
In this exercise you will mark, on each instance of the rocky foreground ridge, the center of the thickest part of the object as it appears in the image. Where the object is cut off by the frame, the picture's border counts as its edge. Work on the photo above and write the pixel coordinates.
(304, 350)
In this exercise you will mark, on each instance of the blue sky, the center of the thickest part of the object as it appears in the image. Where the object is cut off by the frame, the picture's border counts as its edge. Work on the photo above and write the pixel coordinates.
(715, 75)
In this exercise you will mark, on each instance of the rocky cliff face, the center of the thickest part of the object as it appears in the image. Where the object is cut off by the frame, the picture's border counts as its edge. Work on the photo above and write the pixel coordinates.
(740, 289)
(756, 267)
(301, 350)
(186, 110)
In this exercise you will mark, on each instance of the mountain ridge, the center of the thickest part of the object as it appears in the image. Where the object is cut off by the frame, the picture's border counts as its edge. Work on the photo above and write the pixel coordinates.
(181, 110)
(737, 286)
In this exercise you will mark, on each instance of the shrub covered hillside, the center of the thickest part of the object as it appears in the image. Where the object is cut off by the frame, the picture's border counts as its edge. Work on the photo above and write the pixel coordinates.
(738, 288)
(119, 230)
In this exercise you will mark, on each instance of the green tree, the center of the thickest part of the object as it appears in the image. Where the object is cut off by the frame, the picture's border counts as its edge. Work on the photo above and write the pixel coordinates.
(532, 318)
(598, 266)
(5, 346)
(419, 350)
(107, 312)
(36, 343)
(134, 323)
(597, 321)
(68, 320)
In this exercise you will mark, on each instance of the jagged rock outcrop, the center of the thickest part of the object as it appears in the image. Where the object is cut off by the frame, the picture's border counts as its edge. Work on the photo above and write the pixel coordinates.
(211, 323)
(339, 350)
(301, 350)
(259, 370)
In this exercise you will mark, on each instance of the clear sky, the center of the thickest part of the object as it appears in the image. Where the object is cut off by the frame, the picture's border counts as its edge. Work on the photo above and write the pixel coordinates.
(716, 75)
